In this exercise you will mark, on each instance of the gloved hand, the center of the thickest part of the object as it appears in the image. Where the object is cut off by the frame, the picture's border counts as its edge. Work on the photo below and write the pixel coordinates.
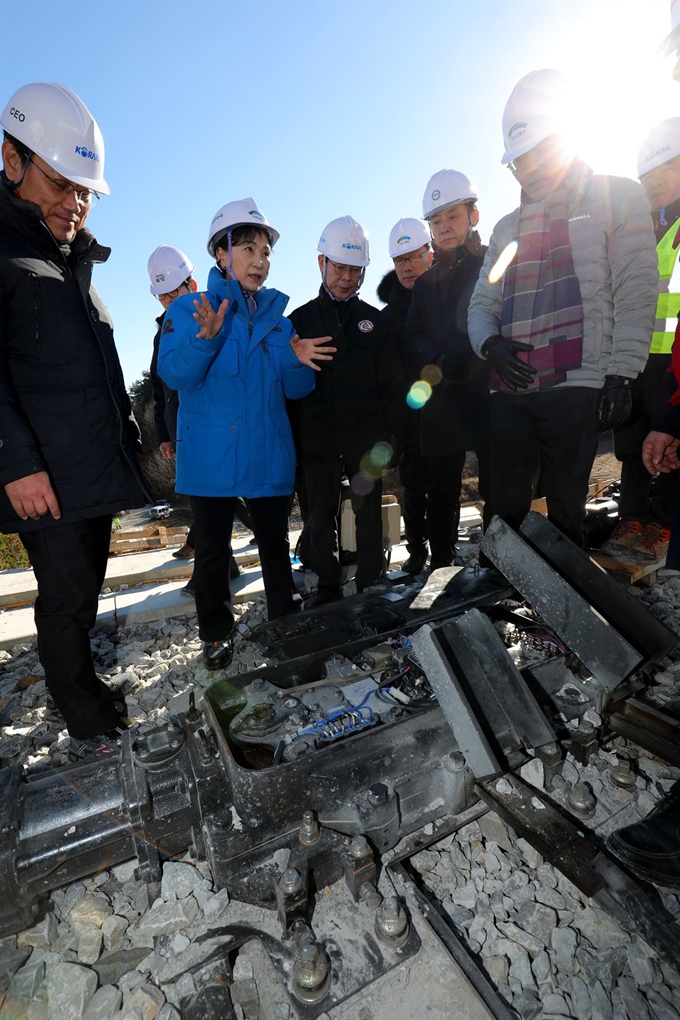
(614, 403)
(502, 356)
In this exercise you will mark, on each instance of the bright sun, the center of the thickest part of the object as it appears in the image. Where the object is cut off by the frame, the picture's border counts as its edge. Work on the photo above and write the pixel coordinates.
(621, 88)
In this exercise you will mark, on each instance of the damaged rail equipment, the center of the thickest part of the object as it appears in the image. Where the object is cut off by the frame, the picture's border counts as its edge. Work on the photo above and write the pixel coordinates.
(384, 714)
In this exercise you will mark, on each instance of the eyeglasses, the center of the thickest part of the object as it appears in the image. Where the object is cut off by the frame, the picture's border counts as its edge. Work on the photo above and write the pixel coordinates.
(411, 260)
(63, 188)
(172, 294)
(353, 271)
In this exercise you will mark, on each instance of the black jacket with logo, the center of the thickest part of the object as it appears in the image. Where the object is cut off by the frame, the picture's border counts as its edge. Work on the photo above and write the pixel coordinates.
(357, 401)
(456, 417)
(63, 404)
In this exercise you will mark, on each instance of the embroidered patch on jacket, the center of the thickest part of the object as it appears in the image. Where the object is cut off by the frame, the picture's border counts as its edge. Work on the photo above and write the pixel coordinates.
(366, 326)
(167, 327)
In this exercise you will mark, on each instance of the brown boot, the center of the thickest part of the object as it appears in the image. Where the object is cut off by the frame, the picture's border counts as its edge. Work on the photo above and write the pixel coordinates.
(623, 538)
(652, 544)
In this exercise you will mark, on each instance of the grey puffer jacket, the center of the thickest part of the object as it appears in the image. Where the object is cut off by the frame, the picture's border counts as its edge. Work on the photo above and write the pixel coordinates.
(614, 252)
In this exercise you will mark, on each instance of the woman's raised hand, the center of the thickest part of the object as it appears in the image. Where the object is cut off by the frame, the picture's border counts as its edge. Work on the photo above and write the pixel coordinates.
(210, 322)
(309, 351)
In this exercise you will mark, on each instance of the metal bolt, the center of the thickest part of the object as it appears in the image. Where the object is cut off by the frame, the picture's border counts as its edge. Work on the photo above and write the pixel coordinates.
(581, 801)
(370, 896)
(311, 973)
(174, 743)
(391, 923)
(586, 729)
(258, 683)
(309, 830)
(622, 774)
(291, 882)
(359, 847)
(290, 703)
(455, 761)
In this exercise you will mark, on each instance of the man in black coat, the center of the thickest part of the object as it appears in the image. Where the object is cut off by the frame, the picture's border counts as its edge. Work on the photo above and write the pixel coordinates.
(455, 386)
(69, 446)
(410, 251)
(356, 406)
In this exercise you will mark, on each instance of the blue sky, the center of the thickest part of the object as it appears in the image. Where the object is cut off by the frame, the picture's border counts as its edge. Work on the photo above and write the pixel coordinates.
(317, 108)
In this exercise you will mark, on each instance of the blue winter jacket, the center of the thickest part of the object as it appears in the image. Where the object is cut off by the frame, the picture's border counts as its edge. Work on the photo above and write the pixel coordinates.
(233, 433)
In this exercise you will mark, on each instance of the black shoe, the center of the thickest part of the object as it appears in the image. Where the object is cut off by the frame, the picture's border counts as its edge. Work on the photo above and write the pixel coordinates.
(415, 564)
(103, 745)
(651, 848)
(234, 569)
(218, 654)
(188, 591)
(323, 596)
(185, 552)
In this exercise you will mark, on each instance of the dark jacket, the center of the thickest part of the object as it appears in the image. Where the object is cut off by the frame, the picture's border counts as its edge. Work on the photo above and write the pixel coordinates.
(456, 416)
(63, 404)
(357, 401)
(165, 400)
(398, 301)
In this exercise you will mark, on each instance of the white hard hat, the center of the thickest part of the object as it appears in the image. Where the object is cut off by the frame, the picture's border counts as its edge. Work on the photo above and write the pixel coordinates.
(168, 268)
(672, 41)
(444, 189)
(661, 144)
(345, 241)
(243, 213)
(408, 235)
(55, 124)
(532, 112)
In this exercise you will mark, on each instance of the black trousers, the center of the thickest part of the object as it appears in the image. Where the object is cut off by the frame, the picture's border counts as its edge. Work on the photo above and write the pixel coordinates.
(323, 487)
(553, 431)
(69, 562)
(431, 501)
(213, 521)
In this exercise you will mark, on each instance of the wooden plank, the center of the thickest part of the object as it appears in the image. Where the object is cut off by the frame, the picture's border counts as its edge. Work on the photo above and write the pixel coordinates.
(628, 572)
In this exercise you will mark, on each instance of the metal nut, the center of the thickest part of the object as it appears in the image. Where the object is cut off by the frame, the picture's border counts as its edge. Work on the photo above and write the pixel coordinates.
(291, 882)
(581, 801)
(311, 973)
(359, 847)
(309, 830)
(391, 923)
(622, 775)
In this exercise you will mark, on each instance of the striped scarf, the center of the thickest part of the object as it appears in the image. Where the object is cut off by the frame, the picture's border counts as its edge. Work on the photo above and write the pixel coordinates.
(541, 292)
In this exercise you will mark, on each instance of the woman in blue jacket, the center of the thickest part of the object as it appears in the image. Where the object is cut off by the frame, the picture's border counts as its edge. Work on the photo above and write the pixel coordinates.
(234, 372)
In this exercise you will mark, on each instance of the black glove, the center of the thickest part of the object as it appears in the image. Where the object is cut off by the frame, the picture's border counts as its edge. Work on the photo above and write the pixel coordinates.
(614, 404)
(502, 355)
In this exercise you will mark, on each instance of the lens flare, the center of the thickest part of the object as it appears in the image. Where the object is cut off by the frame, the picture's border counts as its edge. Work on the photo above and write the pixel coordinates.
(419, 394)
(432, 374)
(502, 262)
(362, 483)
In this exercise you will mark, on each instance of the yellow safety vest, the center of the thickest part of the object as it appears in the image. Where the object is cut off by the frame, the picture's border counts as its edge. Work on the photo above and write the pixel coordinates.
(668, 304)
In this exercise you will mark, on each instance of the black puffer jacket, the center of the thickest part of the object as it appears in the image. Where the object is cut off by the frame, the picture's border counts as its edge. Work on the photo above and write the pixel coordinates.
(456, 417)
(165, 400)
(398, 302)
(357, 400)
(63, 404)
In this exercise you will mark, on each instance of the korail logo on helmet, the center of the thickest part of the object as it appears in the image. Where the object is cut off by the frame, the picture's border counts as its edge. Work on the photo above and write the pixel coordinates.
(160, 278)
(652, 155)
(435, 195)
(256, 215)
(404, 239)
(86, 153)
(352, 247)
(366, 326)
(517, 130)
